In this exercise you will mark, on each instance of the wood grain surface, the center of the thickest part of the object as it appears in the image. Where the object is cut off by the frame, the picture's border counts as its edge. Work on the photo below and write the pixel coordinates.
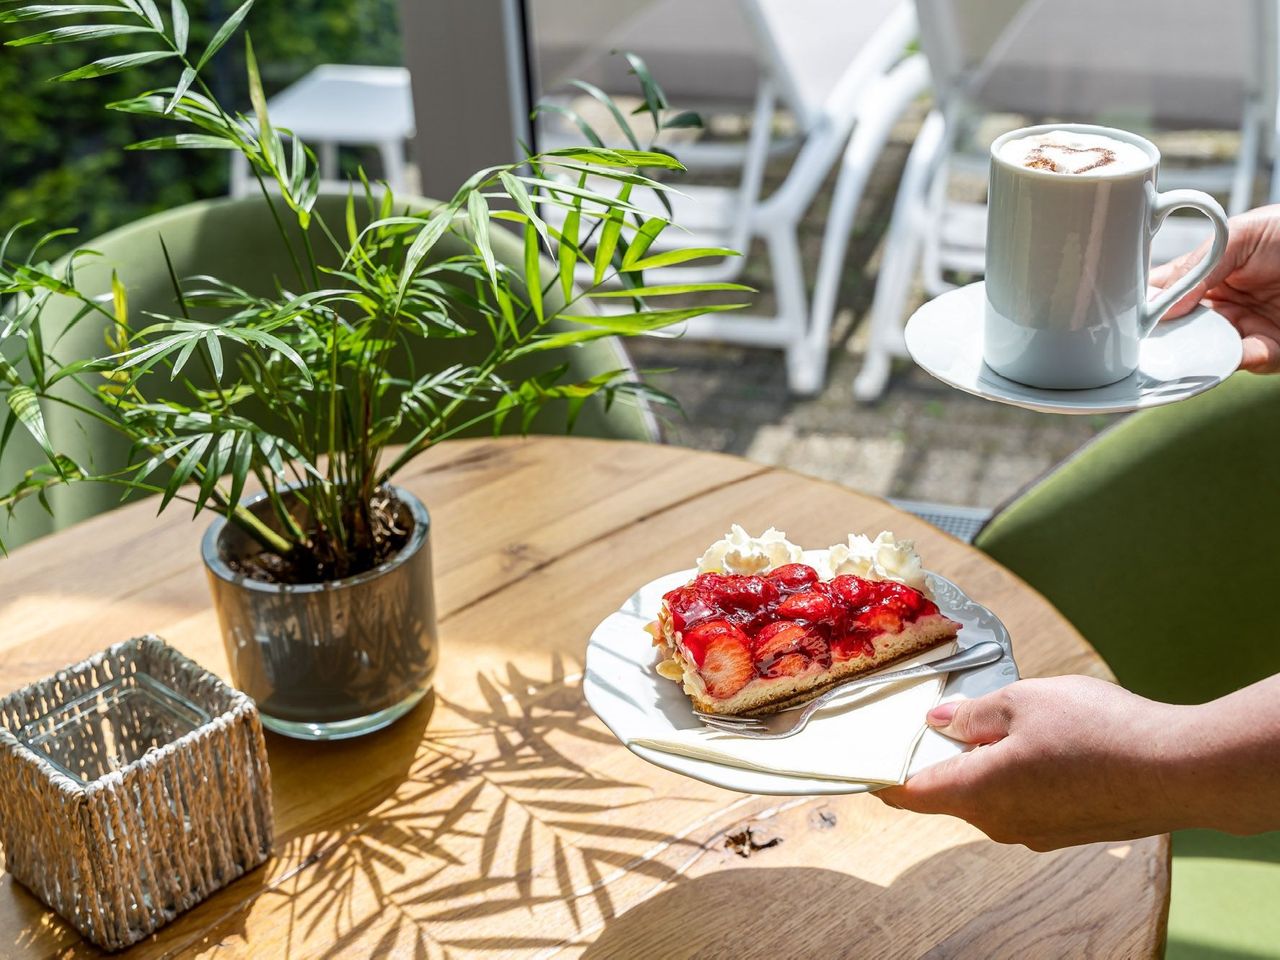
(500, 819)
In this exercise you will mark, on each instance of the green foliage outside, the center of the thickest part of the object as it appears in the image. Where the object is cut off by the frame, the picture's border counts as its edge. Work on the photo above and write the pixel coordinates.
(61, 156)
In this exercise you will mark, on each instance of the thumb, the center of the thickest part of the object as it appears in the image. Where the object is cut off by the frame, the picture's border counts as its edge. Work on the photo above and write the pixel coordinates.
(984, 720)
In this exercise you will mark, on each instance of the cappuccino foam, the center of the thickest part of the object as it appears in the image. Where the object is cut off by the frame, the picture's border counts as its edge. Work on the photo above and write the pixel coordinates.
(1075, 154)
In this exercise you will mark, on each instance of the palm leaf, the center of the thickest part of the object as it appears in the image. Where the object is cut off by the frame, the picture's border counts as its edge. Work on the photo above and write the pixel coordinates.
(77, 33)
(184, 84)
(25, 405)
(609, 234)
(181, 24)
(47, 11)
(567, 252)
(110, 65)
(423, 242)
(671, 289)
(151, 12)
(224, 33)
(654, 99)
(533, 270)
(516, 190)
(478, 215)
(185, 468)
(648, 232)
(185, 141)
(672, 257)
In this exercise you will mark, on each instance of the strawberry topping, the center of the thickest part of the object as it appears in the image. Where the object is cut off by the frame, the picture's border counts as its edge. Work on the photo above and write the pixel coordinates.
(698, 639)
(815, 606)
(793, 577)
(746, 601)
(785, 623)
(723, 656)
(784, 649)
(688, 607)
(858, 642)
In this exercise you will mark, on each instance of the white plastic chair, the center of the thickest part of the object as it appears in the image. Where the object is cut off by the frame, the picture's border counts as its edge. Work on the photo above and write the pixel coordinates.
(1148, 65)
(338, 103)
(842, 70)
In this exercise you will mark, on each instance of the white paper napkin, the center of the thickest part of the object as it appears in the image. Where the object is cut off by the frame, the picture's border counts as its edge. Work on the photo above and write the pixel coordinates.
(867, 738)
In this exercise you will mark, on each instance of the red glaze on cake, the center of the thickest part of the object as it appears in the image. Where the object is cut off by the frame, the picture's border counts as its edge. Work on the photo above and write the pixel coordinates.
(757, 643)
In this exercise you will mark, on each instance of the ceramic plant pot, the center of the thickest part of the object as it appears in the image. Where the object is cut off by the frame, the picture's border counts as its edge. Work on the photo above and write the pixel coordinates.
(325, 661)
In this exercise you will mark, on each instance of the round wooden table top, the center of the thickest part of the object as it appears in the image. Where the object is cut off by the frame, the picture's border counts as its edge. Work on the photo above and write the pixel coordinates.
(500, 818)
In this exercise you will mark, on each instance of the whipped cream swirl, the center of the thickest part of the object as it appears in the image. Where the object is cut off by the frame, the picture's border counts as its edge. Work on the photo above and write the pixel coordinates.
(884, 558)
(739, 552)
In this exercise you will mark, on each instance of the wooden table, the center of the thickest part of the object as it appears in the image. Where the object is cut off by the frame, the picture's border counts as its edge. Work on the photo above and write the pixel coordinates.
(501, 819)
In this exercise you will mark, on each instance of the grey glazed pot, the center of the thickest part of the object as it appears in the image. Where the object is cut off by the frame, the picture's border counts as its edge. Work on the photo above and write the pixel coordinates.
(327, 661)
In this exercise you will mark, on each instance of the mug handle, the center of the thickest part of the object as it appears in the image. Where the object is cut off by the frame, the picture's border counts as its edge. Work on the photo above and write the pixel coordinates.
(1163, 204)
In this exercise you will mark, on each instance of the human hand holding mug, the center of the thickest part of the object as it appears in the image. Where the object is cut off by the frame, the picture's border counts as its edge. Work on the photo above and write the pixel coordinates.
(1071, 213)
(1244, 286)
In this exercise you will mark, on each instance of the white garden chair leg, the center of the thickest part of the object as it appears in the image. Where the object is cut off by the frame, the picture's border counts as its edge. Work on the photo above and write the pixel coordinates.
(240, 178)
(901, 255)
(393, 165)
(883, 104)
(1246, 171)
(806, 361)
(1273, 191)
(935, 212)
(328, 160)
(937, 204)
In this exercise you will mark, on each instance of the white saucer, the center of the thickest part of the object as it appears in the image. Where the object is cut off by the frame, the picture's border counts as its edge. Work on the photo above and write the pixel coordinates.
(626, 692)
(1180, 359)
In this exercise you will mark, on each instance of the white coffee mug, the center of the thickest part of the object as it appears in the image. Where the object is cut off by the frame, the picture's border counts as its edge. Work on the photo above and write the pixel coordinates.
(1068, 257)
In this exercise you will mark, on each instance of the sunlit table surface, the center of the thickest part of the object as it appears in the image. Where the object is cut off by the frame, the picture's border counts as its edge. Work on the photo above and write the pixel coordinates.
(501, 819)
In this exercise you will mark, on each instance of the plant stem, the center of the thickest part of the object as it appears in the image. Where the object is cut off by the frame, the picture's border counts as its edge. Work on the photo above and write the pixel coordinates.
(248, 521)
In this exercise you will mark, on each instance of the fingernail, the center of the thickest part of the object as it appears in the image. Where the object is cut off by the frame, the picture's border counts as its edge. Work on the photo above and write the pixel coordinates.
(940, 716)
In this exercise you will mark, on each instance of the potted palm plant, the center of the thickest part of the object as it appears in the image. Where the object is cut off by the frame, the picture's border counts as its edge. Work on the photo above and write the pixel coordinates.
(317, 392)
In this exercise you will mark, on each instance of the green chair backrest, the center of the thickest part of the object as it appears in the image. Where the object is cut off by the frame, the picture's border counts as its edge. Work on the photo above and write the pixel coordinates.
(236, 240)
(1160, 541)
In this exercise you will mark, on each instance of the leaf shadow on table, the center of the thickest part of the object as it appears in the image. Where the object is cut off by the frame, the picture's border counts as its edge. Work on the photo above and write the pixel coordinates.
(304, 772)
(453, 825)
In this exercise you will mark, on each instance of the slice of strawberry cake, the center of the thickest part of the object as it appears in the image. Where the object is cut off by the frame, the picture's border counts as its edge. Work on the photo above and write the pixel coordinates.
(757, 630)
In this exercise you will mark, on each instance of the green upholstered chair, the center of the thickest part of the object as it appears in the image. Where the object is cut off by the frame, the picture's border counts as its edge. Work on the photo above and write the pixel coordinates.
(1160, 541)
(236, 240)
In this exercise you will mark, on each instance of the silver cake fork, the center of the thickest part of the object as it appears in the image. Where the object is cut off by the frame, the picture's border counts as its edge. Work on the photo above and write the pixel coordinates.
(787, 723)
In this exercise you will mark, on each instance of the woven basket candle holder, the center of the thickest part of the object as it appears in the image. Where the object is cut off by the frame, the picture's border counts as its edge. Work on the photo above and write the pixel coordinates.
(132, 786)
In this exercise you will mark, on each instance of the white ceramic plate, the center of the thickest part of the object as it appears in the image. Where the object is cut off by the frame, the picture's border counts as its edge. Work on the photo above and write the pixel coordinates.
(1180, 359)
(626, 692)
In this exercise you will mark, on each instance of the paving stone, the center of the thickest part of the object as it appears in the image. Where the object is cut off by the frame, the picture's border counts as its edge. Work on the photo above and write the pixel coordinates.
(700, 437)
(770, 444)
(1004, 475)
(946, 475)
(868, 464)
